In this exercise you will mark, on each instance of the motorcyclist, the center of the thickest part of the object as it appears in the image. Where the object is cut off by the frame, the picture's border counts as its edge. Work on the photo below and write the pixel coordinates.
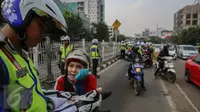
(77, 79)
(164, 52)
(140, 50)
(123, 49)
(135, 55)
(150, 50)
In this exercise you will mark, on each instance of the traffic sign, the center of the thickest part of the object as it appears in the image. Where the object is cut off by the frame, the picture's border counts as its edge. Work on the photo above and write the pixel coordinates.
(116, 24)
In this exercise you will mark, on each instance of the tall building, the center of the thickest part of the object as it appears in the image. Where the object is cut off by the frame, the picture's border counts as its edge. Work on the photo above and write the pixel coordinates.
(186, 17)
(95, 9)
(145, 33)
(77, 8)
(102, 11)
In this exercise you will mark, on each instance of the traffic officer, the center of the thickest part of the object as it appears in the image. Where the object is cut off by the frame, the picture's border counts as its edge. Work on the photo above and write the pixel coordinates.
(95, 55)
(27, 24)
(139, 47)
(64, 50)
(123, 49)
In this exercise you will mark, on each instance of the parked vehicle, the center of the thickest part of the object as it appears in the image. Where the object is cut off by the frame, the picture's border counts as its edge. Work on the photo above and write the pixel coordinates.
(185, 51)
(172, 52)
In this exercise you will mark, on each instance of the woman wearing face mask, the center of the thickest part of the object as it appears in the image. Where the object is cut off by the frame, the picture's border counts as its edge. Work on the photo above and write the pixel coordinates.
(77, 78)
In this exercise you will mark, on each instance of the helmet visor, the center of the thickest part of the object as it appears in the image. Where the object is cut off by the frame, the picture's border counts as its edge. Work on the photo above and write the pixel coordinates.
(51, 27)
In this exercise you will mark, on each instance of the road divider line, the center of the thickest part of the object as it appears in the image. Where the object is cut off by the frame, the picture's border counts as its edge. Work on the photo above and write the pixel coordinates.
(169, 98)
(100, 72)
(187, 98)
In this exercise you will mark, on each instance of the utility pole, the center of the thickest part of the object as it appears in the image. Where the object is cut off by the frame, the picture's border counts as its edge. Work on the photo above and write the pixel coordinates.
(116, 35)
(49, 55)
(157, 28)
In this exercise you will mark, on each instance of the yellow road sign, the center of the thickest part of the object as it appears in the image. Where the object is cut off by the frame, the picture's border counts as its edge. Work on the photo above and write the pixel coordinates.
(116, 24)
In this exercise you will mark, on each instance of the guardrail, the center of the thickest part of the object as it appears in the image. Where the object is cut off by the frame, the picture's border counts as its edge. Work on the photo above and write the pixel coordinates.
(39, 54)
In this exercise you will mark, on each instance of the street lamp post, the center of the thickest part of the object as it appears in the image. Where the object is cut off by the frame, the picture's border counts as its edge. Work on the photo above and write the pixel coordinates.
(116, 34)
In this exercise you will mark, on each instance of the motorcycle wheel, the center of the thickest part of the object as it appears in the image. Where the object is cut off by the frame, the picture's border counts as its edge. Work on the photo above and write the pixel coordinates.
(154, 70)
(137, 86)
(171, 77)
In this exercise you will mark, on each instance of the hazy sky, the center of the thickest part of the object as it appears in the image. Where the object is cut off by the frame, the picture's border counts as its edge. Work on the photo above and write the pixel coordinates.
(136, 15)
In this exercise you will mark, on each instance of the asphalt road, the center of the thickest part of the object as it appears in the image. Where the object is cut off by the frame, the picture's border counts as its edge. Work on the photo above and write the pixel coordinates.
(161, 96)
(123, 98)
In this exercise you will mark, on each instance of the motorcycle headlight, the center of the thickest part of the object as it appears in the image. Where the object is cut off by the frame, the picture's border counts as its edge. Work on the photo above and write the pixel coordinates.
(138, 70)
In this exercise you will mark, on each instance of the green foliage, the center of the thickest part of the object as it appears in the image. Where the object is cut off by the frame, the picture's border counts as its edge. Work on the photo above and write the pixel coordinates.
(155, 40)
(100, 31)
(187, 36)
(75, 26)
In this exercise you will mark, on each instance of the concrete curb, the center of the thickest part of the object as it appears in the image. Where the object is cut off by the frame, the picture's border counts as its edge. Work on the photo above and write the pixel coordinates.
(103, 66)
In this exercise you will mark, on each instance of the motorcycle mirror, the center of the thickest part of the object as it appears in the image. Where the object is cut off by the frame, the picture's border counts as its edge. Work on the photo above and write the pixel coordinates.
(105, 95)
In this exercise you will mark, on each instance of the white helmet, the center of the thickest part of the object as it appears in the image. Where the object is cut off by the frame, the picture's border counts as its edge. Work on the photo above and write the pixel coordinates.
(80, 55)
(142, 43)
(138, 43)
(147, 43)
(95, 41)
(19, 14)
(63, 38)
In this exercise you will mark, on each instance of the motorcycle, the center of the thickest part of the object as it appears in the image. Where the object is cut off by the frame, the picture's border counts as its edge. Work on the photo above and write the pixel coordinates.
(127, 55)
(58, 101)
(148, 62)
(136, 76)
(168, 73)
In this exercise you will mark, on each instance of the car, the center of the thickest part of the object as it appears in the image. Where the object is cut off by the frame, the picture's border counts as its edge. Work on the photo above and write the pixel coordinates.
(185, 51)
(192, 70)
(157, 48)
(172, 52)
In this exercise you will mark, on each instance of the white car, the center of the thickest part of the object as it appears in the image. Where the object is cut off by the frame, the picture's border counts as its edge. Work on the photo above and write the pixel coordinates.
(185, 51)
(172, 52)
(158, 47)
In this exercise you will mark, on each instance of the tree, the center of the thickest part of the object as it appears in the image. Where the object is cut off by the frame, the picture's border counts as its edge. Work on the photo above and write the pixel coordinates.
(100, 31)
(187, 36)
(156, 40)
(75, 26)
(120, 38)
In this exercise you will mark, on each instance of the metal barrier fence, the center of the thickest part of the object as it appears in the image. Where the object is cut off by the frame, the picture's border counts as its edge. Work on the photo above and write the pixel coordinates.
(39, 54)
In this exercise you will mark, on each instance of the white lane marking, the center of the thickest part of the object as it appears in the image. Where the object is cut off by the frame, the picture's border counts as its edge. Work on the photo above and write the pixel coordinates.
(186, 97)
(108, 67)
(169, 98)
